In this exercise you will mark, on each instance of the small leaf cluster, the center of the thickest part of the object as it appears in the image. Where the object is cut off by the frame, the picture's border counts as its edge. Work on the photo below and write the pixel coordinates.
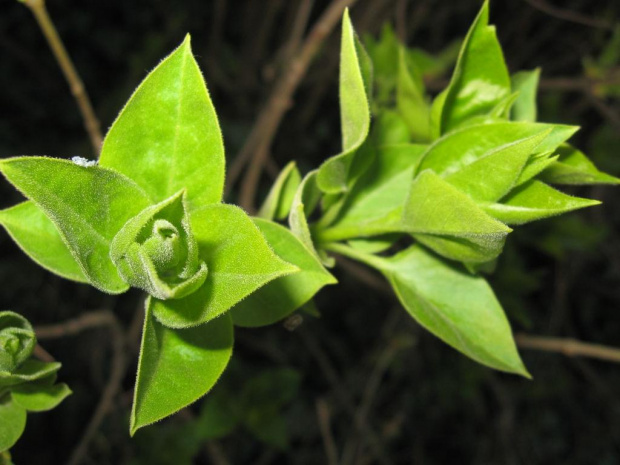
(26, 384)
(427, 190)
(148, 214)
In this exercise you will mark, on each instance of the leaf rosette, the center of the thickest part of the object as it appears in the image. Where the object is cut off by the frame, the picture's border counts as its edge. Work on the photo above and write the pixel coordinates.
(17, 341)
(157, 252)
(26, 385)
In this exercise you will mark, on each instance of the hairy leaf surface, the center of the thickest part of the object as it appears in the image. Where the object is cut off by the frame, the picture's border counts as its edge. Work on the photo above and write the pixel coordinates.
(167, 137)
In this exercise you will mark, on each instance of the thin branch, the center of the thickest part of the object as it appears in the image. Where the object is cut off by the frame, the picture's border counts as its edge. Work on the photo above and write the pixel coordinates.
(568, 347)
(91, 123)
(96, 319)
(323, 415)
(258, 143)
(344, 396)
(568, 15)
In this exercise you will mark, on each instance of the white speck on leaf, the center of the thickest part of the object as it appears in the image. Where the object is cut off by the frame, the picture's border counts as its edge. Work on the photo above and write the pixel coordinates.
(80, 161)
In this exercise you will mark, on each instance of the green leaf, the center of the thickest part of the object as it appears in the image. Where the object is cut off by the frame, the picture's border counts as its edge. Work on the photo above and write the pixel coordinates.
(278, 299)
(39, 238)
(375, 244)
(526, 83)
(167, 137)
(12, 423)
(492, 176)
(17, 341)
(375, 204)
(573, 167)
(449, 222)
(278, 203)
(30, 370)
(37, 398)
(156, 251)
(239, 261)
(88, 205)
(390, 128)
(535, 200)
(304, 202)
(537, 163)
(464, 146)
(333, 175)
(480, 80)
(177, 366)
(411, 100)
(455, 306)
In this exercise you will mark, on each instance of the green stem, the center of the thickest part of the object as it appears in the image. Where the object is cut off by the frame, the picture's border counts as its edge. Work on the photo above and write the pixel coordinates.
(371, 260)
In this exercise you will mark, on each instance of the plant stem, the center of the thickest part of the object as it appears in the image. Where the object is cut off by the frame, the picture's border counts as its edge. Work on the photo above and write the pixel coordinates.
(371, 260)
(568, 347)
(66, 65)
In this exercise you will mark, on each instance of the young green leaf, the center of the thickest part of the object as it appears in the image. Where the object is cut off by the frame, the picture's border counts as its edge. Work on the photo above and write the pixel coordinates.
(278, 203)
(480, 80)
(411, 100)
(455, 306)
(536, 164)
(449, 222)
(17, 341)
(333, 175)
(464, 146)
(532, 201)
(167, 137)
(39, 238)
(278, 299)
(239, 261)
(88, 205)
(30, 370)
(526, 84)
(304, 202)
(573, 167)
(492, 176)
(156, 251)
(177, 366)
(12, 423)
(39, 398)
(375, 204)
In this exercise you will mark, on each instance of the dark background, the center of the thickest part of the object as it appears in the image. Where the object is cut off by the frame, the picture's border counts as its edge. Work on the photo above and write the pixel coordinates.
(424, 403)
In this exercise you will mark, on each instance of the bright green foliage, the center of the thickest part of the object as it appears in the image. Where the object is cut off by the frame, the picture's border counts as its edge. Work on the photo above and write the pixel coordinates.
(167, 138)
(26, 385)
(448, 221)
(450, 176)
(149, 216)
(452, 179)
(281, 297)
(411, 100)
(333, 175)
(479, 82)
(157, 252)
(278, 203)
(39, 238)
(535, 200)
(526, 84)
(177, 366)
(573, 167)
(87, 204)
(457, 307)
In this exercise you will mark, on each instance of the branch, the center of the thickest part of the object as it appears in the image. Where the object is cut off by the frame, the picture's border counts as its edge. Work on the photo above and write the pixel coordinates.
(91, 123)
(568, 347)
(96, 319)
(256, 147)
(568, 15)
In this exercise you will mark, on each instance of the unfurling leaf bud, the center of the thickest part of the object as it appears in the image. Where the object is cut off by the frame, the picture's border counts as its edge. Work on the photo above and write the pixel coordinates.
(17, 341)
(156, 251)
